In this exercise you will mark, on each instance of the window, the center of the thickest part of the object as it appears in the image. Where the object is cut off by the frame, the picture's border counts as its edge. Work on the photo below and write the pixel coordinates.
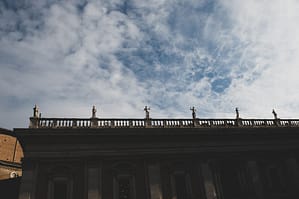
(181, 185)
(235, 179)
(275, 179)
(124, 187)
(124, 190)
(60, 188)
(124, 181)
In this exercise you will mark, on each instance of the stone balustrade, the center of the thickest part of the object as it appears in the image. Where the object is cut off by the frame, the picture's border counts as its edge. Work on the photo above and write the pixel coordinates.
(38, 122)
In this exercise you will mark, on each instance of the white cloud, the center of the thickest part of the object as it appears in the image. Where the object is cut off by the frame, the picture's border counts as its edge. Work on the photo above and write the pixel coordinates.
(271, 57)
(122, 55)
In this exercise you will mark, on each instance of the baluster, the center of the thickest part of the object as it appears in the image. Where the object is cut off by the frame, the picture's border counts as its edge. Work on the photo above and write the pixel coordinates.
(113, 123)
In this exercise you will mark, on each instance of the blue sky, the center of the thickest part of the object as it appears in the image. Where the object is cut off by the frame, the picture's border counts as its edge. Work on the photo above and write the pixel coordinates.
(215, 55)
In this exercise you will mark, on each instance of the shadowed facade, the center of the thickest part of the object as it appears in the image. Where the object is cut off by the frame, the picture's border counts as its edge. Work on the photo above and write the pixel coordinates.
(98, 158)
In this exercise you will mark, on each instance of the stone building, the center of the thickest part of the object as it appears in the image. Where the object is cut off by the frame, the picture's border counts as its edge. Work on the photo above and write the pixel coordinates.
(10, 155)
(97, 158)
(10, 164)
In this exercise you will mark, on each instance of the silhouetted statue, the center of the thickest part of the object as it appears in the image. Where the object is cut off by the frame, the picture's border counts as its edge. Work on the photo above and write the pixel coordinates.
(35, 111)
(193, 112)
(146, 109)
(275, 114)
(94, 112)
(237, 113)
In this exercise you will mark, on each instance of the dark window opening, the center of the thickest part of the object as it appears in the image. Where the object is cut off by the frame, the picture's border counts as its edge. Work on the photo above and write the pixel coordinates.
(231, 184)
(275, 180)
(181, 187)
(124, 187)
(235, 180)
(60, 190)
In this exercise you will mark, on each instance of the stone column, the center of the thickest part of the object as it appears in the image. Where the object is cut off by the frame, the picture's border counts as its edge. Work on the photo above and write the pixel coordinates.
(254, 173)
(209, 185)
(154, 181)
(28, 182)
(94, 182)
(217, 183)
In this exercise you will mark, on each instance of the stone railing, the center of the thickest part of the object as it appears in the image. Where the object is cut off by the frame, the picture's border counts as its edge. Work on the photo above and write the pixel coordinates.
(37, 122)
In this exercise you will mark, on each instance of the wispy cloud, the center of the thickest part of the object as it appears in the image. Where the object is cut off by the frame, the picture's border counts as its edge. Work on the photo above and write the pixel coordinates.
(121, 55)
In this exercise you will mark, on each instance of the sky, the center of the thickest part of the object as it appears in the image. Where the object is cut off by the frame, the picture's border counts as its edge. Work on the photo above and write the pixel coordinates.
(170, 55)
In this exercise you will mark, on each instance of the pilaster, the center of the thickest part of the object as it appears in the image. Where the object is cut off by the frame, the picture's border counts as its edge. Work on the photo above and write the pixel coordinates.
(94, 182)
(154, 180)
(209, 185)
(254, 173)
(28, 182)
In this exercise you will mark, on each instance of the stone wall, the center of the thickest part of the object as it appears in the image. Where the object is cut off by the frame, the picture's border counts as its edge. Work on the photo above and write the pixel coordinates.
(11, 154)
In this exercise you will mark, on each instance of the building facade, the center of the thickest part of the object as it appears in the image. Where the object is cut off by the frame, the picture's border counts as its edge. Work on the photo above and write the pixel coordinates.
(96, 158)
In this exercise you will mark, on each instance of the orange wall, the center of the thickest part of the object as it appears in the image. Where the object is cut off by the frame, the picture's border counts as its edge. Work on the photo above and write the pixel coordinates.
(10, 149)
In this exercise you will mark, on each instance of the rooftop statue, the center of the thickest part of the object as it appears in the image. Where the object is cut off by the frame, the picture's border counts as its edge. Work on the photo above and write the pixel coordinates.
(146, 109)
(275, 114)
(94, 112)
(237, 113)
(35, 111)
(193, 112)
